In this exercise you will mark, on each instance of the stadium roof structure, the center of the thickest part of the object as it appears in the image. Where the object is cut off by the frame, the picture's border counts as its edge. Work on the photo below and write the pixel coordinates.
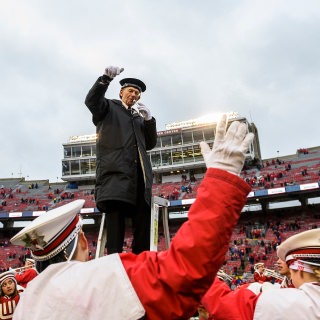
(177, 149)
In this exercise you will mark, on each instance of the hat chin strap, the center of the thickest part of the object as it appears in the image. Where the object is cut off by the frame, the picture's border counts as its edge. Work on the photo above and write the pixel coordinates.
(74, 246)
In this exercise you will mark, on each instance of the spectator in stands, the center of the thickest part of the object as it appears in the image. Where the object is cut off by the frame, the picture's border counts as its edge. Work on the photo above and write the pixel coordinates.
(303, 150)
(124, 173)
(302, 255)
(27, 273)
(165, 285)
(9, 295)
(175, 194)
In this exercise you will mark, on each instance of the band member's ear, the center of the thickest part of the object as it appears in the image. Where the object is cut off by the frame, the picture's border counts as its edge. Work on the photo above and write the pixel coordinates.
(83, 242)
(120, 94)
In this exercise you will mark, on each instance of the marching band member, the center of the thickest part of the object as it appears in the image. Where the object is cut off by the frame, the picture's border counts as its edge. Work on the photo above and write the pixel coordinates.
(9, 295)
(27, 274)
(259, 275)
(302, 255)
(285, 272)
(154, 285)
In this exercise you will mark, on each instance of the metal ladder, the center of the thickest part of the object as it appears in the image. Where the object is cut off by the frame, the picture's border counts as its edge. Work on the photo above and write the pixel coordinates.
(156, 203)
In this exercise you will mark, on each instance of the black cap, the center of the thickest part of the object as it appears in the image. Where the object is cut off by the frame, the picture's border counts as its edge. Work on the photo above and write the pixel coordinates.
(132, 82)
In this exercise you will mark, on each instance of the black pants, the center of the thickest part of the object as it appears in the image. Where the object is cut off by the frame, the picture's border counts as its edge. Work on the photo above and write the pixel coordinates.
(116, 212)
(140, 214)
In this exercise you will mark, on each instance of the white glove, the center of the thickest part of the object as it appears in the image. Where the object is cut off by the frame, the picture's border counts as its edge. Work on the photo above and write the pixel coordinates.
(229, 148)
(144, 111)
(112, 71)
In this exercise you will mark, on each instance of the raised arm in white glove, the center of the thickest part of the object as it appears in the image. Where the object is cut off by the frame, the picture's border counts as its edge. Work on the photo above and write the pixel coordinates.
(229, 148)
(112, 71)
(144, 111)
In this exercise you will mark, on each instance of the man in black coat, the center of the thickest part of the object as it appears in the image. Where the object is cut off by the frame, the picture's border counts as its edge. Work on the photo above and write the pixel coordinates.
(125, 130)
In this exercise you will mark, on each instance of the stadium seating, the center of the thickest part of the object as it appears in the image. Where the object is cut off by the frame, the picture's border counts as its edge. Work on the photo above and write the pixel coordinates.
(279, 226)
(46, 198)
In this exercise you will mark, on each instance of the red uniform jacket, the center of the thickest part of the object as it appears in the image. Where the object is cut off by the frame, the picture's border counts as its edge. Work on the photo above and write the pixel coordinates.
(26, 276)
(261, 277)
(170, 284)
(223, 303)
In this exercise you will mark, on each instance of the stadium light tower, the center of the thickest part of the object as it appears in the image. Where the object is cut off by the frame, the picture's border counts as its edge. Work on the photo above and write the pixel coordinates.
(20, 172)
(278, 153)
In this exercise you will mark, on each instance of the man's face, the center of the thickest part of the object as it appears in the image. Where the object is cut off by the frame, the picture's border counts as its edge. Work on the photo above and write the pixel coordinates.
(8, 287)
(129, 95)
(282, 267)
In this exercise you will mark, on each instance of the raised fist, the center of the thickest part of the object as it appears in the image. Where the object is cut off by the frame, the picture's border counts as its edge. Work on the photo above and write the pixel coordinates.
(112, 71)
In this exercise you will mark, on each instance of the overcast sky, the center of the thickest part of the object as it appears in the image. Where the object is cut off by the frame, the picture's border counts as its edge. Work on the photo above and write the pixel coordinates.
(258, 58)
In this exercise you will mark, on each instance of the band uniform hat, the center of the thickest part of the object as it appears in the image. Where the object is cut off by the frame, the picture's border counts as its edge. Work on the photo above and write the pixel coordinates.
(7, 275)
(132, 82)
(30, 260)
(52, 232)
(258, 264)
(303, 246)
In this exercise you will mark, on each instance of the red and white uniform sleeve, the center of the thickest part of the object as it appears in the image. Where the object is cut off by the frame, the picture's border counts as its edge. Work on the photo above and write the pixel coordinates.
(26, 276)
(223, 303)
(170, 284)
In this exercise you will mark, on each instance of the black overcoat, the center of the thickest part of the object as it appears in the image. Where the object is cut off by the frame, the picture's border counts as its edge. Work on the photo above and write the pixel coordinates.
(122, 141)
